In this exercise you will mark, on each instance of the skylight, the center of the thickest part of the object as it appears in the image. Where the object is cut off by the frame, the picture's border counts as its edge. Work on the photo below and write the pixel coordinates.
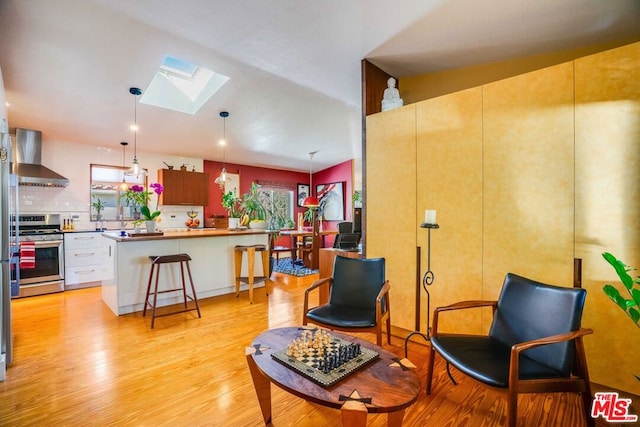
(181, 86)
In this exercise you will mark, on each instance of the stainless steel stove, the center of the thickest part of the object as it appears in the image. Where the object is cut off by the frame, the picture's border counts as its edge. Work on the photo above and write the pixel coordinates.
(34, 228)
(48, 274)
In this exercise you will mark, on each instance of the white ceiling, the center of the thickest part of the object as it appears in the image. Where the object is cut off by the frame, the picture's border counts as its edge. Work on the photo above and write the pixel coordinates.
(294, 64)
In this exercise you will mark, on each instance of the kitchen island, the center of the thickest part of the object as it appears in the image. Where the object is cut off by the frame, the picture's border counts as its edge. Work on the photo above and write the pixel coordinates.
(212, 265)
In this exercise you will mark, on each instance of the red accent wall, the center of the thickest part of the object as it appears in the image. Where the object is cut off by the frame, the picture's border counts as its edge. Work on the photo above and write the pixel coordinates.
(342, 172)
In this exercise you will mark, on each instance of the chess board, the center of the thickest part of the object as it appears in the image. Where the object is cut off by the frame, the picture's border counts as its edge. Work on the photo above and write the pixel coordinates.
(308, 365)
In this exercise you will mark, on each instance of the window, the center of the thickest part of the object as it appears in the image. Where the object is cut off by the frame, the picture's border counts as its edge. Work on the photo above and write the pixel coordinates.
(279, 206)
(105, 185)
(181, 86)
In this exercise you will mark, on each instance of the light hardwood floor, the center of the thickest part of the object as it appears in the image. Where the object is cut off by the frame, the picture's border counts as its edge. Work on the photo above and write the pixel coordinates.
(77, 364)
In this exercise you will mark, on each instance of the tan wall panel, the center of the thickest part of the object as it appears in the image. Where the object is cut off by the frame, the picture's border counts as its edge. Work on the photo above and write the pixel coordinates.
(391, 205)
(449, 158)
(528, 178)
(425, 86)
(608, 204)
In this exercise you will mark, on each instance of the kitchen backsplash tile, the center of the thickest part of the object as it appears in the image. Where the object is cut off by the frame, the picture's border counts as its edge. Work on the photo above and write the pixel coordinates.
(35, 200)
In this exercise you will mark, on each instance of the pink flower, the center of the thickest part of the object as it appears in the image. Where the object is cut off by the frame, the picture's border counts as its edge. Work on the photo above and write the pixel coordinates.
(157, 188)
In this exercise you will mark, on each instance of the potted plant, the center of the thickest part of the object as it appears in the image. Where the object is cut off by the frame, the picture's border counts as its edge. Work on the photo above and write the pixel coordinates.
(151, 218)
(630, 306)
(233, 204)
(356, 199)
(98, 205)
(253, 208)
(135, 197)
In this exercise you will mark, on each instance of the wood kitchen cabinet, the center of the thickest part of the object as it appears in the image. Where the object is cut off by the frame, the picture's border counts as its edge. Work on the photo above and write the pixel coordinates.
(184, 187)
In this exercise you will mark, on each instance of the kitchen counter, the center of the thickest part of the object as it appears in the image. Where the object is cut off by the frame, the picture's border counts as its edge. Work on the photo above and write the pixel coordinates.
(182, 234)
(212, 265)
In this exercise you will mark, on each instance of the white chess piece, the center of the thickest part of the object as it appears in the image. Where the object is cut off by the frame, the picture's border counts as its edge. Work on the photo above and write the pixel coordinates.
(391, 97)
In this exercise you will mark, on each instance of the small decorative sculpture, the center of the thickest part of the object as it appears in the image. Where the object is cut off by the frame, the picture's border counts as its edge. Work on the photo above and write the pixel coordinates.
(391, 97)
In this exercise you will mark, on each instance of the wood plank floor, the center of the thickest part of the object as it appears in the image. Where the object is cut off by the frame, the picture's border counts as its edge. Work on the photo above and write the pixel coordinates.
(77, 364)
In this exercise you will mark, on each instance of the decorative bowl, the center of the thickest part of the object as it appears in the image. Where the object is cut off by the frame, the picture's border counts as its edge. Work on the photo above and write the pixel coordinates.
(258, 225)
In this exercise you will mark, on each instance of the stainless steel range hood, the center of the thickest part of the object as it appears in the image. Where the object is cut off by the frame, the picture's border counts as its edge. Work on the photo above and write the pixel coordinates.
(28, 161)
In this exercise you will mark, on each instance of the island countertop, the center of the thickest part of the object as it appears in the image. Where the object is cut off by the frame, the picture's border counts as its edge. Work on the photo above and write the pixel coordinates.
(212, 264)
(183, 234)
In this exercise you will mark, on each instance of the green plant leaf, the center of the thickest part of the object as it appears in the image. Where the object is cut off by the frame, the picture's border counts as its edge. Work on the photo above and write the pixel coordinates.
(635, 294)
(611, 291)
(635, 315)
(621, 270)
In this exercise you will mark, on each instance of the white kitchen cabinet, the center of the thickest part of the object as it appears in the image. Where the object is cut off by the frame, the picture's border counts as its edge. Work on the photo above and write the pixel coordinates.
(87, 259)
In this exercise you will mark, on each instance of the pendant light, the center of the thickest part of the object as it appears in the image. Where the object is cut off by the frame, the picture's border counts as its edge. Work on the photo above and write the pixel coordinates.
(222, 179)
(123, 185)
(310, 201)
(135, 169)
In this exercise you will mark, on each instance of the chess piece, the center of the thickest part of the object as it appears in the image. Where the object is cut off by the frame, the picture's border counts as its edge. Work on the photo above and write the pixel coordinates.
(391, 96)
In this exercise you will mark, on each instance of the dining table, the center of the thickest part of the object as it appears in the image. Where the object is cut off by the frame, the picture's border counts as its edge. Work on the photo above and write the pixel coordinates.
(294, 234)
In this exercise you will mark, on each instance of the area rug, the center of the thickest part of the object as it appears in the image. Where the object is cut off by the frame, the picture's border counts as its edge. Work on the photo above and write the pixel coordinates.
(298, 269)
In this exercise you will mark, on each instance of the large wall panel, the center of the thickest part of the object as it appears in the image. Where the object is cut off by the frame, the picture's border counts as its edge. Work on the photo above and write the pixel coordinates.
(391, 205)
(449, 159)
(608, 203)
(555, 176)
(528, 178)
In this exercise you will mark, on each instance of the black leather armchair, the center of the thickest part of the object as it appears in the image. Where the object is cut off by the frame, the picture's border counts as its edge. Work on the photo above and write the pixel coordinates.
(534, 344)
(358, 298)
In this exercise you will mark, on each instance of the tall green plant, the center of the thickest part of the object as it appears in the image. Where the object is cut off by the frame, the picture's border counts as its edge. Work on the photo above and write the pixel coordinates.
(253, 205)
(630, 306)
(233, 204)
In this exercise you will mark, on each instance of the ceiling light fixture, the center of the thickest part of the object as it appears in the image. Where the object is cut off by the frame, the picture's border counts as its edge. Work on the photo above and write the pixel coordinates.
(222, 179)
(135, 169)
(310, 201)
(123, 185)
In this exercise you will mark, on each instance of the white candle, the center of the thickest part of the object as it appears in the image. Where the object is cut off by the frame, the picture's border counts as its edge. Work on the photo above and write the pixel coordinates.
(430, 217)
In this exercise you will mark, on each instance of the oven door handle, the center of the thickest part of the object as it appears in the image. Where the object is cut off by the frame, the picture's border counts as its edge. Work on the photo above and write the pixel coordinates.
(48, 243)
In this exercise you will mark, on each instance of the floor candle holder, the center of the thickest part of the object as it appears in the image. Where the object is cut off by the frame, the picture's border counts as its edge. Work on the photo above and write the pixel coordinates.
(427, 280)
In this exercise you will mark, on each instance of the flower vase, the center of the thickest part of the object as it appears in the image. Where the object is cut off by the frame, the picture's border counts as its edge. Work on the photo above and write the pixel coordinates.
(151, 226)
(234, 223)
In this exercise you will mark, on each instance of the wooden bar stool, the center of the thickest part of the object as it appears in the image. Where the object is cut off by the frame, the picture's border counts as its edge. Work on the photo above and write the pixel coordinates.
(156, 261)
(251, 257)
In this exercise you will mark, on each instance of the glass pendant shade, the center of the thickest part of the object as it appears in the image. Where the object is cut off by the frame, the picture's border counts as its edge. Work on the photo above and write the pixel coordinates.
(135, 169)
(123, 185)
(222, 179)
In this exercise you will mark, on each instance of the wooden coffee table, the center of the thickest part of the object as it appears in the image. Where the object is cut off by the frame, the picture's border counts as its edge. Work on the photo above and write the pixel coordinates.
(376, 388)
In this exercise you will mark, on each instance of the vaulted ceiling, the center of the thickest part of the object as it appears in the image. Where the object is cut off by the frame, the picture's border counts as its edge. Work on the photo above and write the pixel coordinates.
(294, 65)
